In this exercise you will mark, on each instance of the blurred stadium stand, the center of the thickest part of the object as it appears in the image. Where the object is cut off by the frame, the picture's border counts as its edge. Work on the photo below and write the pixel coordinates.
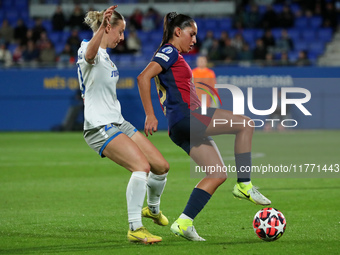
(42, 105)
(308, 33)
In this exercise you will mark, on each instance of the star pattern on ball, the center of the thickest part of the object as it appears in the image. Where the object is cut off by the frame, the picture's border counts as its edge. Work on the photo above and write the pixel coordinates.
(264, 224)
(273, 220)
(274, 212)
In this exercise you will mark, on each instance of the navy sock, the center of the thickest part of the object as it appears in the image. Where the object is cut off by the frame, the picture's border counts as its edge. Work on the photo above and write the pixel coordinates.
(243, 160)
(198, 199)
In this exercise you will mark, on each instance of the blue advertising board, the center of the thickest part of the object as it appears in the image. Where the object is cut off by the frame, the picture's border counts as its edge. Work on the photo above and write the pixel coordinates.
(38, 99)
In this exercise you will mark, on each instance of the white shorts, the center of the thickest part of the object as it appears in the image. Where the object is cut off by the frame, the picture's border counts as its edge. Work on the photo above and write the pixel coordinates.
(98, 138)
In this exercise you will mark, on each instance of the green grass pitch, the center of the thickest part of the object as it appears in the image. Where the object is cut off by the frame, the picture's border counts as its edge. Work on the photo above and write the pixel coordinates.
(58, 197)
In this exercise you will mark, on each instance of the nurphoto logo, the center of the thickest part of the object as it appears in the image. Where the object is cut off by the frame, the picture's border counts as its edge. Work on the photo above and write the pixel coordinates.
(238, 104)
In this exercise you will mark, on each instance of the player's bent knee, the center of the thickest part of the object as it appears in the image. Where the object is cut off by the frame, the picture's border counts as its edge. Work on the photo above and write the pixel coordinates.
(216, 181)
(221, 180)
(161, 167)
(250, 125)
(166, 167)
(141, 167)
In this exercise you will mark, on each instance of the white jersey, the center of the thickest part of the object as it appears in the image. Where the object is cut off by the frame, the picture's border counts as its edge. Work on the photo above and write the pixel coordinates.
(98, 86)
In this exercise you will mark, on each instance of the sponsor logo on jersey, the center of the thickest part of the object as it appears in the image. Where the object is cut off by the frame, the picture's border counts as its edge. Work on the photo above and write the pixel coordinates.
(162, 56)
(109, 60)
(115, 73)
(167, 50)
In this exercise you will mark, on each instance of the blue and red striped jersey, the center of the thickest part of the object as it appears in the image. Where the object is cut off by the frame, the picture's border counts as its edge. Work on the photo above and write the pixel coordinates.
(175, 86)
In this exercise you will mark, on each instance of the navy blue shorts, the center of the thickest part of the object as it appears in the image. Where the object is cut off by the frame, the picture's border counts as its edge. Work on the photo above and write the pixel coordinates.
(190, 131)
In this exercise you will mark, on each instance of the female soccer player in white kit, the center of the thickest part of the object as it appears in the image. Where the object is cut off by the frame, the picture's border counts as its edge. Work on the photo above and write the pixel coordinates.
(109, 134)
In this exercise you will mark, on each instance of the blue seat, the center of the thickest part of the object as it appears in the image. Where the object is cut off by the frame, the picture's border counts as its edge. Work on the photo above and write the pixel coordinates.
(225, 23)
(12, 47)
(252, 44)
(217, 33)
(258, 33)
(325, 34)
(59, 47)
(277, 55)
(262, 9)
(295, 8)
(155, 37)
(201, 34)
(276, 32)
(293, 55)
(301, 22)
(317, 47)
(211, 24)
(47, 24)
(24, 15)
(294, 34)
(315, 21)
(126, 60)
(114, 57)
(148, 50)
(142, 60)
(6, 4)
(12, 16)
(300, 45)
(55, 37)
(30, 23)
(248, 35)
(65, 35)
(308, 35)
(85, 34)
(278, 8)
(190, 59)
(143, 37)
(313, 57)
(199, 23)
(232, 33)
(21, 4)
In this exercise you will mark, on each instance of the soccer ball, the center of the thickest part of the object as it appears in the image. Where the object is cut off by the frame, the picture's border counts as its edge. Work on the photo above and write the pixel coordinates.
(269, 224)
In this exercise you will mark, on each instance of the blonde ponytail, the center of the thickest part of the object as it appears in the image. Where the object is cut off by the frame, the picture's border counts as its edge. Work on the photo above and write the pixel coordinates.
(95, 18)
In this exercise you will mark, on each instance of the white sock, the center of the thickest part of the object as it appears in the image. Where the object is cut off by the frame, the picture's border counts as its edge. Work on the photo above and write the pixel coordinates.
(185, 217)
(135, 195)
(156, 184)
(246, 183)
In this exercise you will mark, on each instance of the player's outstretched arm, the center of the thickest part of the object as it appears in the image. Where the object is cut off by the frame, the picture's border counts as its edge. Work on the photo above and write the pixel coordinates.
(94, 43)
(144, 86)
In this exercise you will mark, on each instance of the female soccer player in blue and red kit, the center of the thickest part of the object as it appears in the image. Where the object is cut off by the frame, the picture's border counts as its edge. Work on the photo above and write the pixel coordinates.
(187, 127)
